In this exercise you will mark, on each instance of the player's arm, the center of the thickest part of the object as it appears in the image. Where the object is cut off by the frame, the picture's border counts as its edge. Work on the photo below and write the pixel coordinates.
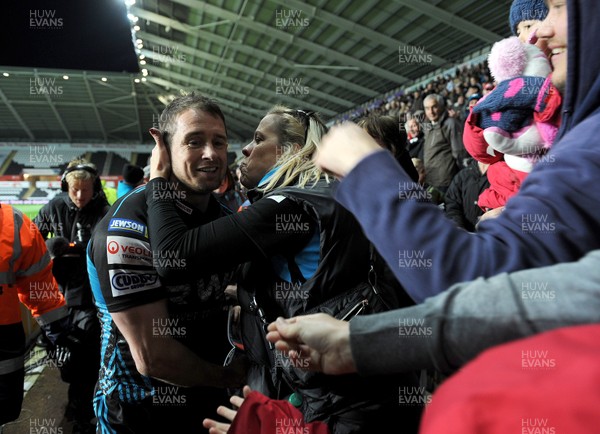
(165, 358)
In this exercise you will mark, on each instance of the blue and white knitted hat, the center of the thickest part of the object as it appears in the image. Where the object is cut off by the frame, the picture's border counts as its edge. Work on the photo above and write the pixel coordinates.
(526, 10)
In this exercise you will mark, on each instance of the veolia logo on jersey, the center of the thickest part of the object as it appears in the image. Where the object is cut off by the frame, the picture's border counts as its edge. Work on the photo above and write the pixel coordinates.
(113, 247)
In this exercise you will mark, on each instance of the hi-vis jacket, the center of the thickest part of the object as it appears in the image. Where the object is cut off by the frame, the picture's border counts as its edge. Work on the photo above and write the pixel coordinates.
(25, 276)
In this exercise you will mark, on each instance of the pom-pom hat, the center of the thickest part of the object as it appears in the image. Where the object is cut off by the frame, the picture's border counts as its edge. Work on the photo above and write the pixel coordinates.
(526, 10)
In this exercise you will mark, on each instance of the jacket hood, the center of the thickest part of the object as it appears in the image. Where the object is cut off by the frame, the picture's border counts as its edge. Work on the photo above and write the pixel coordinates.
(582, 93)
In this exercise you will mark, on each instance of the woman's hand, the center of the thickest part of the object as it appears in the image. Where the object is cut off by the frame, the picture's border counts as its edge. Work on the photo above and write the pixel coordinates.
(160, 162)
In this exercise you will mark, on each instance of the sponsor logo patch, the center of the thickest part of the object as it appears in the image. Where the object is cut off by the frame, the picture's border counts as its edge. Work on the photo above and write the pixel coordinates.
(126, 225)
(125, 250)
(123, 282)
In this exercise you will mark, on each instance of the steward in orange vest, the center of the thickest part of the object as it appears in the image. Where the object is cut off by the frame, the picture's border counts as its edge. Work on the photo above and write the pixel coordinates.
(25, 276)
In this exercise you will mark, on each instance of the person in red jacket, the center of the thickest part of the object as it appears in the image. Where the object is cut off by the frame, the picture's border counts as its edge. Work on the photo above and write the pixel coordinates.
(25, 276)
(549, 383)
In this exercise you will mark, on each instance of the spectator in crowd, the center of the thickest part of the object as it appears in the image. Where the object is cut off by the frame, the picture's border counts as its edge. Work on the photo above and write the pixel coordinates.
(26, 276)
(109, 192)
(320, 262)
(487, 88)
(67, 222)
(544, 384)
(542, 225)
(385, 131)
(164, 340)
(461, 198)
(417, 103)
(443, 150)
(415, 138)
(472, 102)
(133, 176)
(526, 16)
(431, 193)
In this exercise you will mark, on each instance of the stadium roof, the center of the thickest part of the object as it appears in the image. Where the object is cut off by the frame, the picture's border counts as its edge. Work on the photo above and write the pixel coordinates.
(328, 56)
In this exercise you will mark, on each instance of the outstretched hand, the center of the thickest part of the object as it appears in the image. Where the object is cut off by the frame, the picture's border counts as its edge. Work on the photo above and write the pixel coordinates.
(318, 342)
(160, 162)
(343, 147)
(215, 427)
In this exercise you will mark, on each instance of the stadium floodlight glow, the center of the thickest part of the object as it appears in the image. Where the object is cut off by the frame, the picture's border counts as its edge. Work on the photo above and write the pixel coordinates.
(144, 72)
(136, 28)
(129, 2)
(143, 78)
(65, 77)
(139, 41)
(104, 79)
(142, 62)
(142, 56)
(132, 18)
(6, 74)
(137, 80)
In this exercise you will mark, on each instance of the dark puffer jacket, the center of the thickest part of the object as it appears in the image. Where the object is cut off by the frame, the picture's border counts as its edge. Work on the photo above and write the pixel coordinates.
(349, 403)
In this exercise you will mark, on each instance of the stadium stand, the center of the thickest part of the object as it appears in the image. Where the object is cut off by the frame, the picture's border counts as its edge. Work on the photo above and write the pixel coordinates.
(13, 190)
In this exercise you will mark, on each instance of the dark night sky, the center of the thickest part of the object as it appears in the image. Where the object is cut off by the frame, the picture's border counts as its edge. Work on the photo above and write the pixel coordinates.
(92, 35)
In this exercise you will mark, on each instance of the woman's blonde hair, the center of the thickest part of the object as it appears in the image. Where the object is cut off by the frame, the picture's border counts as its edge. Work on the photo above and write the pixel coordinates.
(296, 128)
